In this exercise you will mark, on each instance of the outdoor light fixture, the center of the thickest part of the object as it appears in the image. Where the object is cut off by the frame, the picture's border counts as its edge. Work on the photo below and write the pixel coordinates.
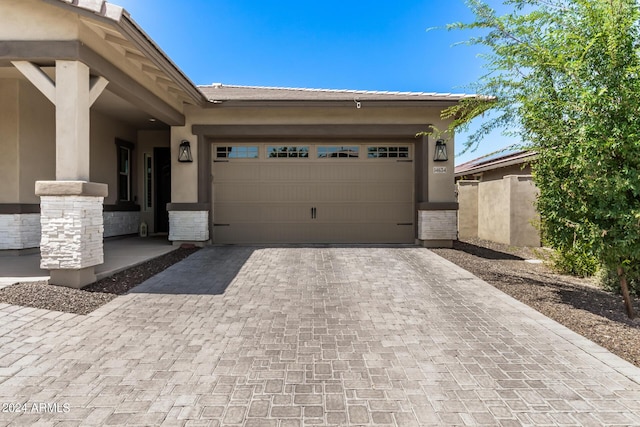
(184, 152)
(441, 151)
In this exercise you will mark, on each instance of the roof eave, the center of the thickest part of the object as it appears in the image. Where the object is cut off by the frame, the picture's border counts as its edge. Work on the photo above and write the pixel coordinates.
(122, 21)
(364, 104)
(496, 165)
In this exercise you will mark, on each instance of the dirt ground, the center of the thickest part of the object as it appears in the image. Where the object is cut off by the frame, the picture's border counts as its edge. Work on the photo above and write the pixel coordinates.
(577, 303)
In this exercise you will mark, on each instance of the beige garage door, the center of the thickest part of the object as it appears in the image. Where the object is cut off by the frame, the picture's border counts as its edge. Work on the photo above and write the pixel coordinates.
(313, 193)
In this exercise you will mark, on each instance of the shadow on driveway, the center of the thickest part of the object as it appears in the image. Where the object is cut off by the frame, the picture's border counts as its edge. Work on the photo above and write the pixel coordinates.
(207, 272)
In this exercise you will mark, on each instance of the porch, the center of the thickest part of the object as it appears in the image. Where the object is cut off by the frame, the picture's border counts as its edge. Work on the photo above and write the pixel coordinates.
(119, 254)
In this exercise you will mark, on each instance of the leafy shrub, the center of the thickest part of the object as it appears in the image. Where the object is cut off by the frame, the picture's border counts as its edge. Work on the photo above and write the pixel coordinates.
(608, 279)
(576, 261)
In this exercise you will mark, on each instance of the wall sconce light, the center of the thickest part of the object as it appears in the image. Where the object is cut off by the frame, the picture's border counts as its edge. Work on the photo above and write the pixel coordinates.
(441, 152)
(184, 152)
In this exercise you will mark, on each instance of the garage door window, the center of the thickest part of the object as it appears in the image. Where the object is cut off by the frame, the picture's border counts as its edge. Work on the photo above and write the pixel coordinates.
(287, 152)
(332, 152)
(387, 152)
(237, 152)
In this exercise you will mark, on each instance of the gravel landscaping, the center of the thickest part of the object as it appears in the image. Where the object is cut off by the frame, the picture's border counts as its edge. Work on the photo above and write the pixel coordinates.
(577, 303)
(574, 302)
(89, 298)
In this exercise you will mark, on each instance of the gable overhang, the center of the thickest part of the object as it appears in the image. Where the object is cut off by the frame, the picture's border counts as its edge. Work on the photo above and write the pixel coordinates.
(113, 46)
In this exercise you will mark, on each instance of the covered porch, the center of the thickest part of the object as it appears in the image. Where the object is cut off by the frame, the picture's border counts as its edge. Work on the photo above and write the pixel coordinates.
(119, 254)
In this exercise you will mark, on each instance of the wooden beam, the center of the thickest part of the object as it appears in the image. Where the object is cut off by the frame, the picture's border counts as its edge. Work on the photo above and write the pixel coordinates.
(96, 86)
(38, 78)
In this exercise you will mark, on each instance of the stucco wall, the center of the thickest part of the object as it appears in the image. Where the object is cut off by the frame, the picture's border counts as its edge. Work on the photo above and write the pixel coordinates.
(468, 209)
(509, 170)
(147, 141)
(9, 189)
(523, 213)
(36, 20)
(37, 141)
(104, 131)
(441, 186)
(493, 211)
(501, 211)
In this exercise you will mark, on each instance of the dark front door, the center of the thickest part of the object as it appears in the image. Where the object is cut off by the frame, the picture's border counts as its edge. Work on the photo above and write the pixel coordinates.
(162, 167)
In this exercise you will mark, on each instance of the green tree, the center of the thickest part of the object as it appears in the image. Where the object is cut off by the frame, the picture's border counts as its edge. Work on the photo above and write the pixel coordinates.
(566, 74)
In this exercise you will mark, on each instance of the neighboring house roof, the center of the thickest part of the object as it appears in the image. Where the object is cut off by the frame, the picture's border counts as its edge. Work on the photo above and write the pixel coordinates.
(218, 93)
(499, 159)
(136, 42)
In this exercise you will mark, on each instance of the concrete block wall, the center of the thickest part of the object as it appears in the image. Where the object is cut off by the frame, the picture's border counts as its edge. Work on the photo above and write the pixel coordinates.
(72, 232)
(119, 223)
(438, 225)
(19, 231)
(189, 226)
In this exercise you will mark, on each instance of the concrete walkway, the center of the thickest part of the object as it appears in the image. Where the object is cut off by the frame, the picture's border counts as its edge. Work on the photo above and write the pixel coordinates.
(119, 254)
(244, 336)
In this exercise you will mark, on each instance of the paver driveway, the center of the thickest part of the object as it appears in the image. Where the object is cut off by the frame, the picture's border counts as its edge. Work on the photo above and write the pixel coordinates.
(309, 336)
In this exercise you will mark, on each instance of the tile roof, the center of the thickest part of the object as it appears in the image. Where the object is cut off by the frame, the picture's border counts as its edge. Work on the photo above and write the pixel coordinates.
(99, 7)
(222, 92)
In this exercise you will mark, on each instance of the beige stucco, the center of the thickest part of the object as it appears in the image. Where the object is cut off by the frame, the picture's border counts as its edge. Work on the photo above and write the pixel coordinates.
(147, 141)
(37, 141)
(184, 175)
(493, 211)
(104, 131)
(523, 214)
(9, 124)
(467, 209)
(505, 211)
(499, 173)
(27, 130)
(36, 20)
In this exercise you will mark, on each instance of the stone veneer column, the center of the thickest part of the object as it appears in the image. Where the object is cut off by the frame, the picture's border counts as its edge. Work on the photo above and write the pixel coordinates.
(72, 230)
(189, 223)
(437, 224)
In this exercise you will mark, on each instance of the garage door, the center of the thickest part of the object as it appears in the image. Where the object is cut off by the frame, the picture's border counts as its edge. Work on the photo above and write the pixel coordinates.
(313, 193)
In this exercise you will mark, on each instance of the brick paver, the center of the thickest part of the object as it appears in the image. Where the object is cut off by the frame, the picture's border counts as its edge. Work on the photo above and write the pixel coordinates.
(249, 336)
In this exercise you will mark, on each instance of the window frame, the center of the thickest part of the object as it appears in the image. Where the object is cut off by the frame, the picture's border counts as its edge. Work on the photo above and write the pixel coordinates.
(388, 150)
(227, 151)
(288, 152)
(123, 146)
(340, 149)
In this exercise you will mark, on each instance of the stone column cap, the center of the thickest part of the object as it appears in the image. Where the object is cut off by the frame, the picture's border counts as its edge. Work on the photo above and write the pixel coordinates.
(71, 188)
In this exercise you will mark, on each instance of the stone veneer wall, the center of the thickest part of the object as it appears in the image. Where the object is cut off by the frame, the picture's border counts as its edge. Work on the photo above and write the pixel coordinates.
(119, 223)
(438, 225)
(72, 229)
(19, 231)
(189, 226)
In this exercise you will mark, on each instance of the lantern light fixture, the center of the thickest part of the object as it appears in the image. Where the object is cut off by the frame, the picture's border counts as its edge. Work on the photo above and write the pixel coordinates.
(184, 152)
(441, 152)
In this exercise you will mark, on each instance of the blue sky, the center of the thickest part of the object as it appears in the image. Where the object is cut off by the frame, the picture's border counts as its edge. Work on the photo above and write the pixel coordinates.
(332, 44)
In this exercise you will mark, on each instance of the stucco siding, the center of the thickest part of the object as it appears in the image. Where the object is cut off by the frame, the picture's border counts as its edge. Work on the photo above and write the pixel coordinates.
(36, 20)
(441, 186)
(9, 189)
(493, 212)
(104, 131)
(523, 213)
(37, 141)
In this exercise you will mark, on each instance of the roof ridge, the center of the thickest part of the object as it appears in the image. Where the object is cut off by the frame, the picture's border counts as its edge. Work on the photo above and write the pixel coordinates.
(354, 91)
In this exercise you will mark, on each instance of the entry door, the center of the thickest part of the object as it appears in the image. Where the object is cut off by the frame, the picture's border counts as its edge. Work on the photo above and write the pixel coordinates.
(162, 168)
(321, 193)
